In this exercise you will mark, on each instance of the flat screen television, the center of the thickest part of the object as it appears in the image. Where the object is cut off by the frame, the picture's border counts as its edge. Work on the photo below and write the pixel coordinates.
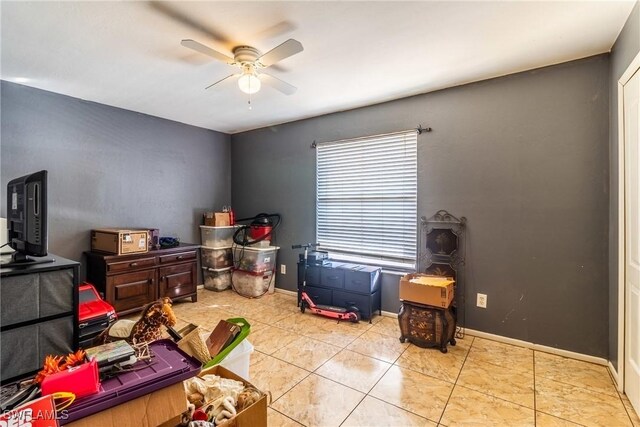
(27, 219)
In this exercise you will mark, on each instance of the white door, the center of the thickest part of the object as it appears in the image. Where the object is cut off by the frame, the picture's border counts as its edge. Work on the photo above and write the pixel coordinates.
(632, 245)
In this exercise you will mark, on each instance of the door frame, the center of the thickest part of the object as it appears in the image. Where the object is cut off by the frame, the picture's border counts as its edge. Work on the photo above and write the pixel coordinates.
(633, 67)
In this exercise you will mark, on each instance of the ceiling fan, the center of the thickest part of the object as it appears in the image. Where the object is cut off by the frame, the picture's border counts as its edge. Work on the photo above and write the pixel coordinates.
(251, 64)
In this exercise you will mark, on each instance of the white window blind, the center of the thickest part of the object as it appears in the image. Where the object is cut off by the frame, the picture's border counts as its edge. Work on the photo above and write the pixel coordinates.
(366, 198)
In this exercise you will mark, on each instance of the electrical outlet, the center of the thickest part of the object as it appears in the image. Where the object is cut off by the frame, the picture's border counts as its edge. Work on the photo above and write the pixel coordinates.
(482, 301)
(283, 269)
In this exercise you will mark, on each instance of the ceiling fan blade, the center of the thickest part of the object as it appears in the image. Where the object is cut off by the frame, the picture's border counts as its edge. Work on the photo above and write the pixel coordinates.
(278, 84)
(285, 50)
(199, 47)
(274, 31)
(221, 80)
(171, 12)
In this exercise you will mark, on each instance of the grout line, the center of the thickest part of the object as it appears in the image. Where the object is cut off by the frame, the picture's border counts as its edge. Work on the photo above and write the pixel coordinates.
(444, 408)
(626, 409)
(285, 415)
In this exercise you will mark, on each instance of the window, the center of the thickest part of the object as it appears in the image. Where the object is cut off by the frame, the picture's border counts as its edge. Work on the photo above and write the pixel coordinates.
(366, 198)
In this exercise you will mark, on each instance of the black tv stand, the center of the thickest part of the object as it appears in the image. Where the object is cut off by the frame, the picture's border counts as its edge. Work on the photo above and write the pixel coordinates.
(18, 259)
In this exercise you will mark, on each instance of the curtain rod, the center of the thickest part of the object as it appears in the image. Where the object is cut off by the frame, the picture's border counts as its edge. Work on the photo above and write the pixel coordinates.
(419, 130)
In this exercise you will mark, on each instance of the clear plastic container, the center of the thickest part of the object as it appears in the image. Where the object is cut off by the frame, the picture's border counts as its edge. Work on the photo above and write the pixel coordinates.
(217, 237)
(254, 259)
(239, 359)
(216, 258)
(250, 284)
(216, 280)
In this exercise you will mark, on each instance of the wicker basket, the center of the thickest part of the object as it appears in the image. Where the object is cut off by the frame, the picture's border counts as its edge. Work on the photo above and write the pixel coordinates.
(193, 344)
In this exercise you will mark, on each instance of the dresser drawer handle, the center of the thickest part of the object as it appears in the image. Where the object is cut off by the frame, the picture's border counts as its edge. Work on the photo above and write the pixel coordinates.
(163, 277)
(150, 281)
(180, 256)
(133, 264)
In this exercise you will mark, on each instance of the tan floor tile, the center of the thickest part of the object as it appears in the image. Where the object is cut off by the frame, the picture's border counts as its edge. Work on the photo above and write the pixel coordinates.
(575, 372)
(207, 318)
(387, 326)
(377, 345)
(306, 353)
(431, 361)
(276, 419)
(279, 299)
(635, 419)
(270, 374)
(546, 420)
(471, 408)
(317, 401)
(579, 405)
(413, 391)
(338, 334)
(300, 323)
(501, 354)
(270, 339)
(514, 386)
(271, 315)
(372, 411)
(354, 370)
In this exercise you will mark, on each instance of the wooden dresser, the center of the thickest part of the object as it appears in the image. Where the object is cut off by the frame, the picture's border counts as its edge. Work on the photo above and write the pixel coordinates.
(427, 326)
(129, 282)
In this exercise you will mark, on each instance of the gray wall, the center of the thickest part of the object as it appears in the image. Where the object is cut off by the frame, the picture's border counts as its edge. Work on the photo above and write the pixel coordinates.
(523, 157)
(110, 167)
(624, 50)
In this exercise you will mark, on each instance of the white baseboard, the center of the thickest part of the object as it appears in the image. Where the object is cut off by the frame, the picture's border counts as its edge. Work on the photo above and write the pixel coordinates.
(537, 347)
(389, 314)
(614, 375)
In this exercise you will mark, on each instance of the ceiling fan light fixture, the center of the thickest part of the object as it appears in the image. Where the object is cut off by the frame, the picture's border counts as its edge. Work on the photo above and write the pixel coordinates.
(249, 83)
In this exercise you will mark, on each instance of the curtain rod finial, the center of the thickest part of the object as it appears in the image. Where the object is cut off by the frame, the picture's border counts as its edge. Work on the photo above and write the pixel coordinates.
(420, 129)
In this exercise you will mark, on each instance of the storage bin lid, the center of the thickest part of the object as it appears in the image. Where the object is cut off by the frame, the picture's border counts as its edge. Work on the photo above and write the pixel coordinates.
(214, 249)
(217, 270)
(256, 249)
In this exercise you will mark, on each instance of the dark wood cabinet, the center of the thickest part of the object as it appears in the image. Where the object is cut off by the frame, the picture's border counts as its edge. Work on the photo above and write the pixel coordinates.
(129, 282)
(178, 280)
(427, 326)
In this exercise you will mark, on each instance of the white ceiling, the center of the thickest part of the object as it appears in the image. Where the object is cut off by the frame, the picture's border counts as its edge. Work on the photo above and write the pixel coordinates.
(128, 54)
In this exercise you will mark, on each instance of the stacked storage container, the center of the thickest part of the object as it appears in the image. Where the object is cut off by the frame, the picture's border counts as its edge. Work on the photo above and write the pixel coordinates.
(217, 256)
(254, 273)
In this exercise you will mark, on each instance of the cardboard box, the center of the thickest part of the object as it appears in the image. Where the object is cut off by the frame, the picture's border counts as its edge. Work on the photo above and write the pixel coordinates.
(253, 416)
(426, 289)
(217, 219)
(119, 242)
(150, 410)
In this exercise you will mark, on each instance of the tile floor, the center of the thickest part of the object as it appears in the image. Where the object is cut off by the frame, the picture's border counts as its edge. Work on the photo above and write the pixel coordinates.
(321, 373)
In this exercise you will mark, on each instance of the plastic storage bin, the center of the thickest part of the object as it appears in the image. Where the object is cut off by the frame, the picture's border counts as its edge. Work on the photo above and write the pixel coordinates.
(254, 259)
(216, 280)
(216, 258)
(169, 365)
(250, 284)
(238, 360)
(217, 237)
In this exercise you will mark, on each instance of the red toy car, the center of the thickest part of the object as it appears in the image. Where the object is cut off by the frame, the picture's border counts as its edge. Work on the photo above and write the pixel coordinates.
(95, 314)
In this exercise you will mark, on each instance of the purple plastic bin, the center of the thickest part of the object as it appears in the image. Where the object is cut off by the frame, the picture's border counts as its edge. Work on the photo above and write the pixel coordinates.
(169, 365)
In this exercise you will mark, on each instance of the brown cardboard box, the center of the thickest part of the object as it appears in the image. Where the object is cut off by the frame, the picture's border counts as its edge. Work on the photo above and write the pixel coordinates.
(253, 416)
(150, 410)
(119, 242)
(217, 219)
(433, 290)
